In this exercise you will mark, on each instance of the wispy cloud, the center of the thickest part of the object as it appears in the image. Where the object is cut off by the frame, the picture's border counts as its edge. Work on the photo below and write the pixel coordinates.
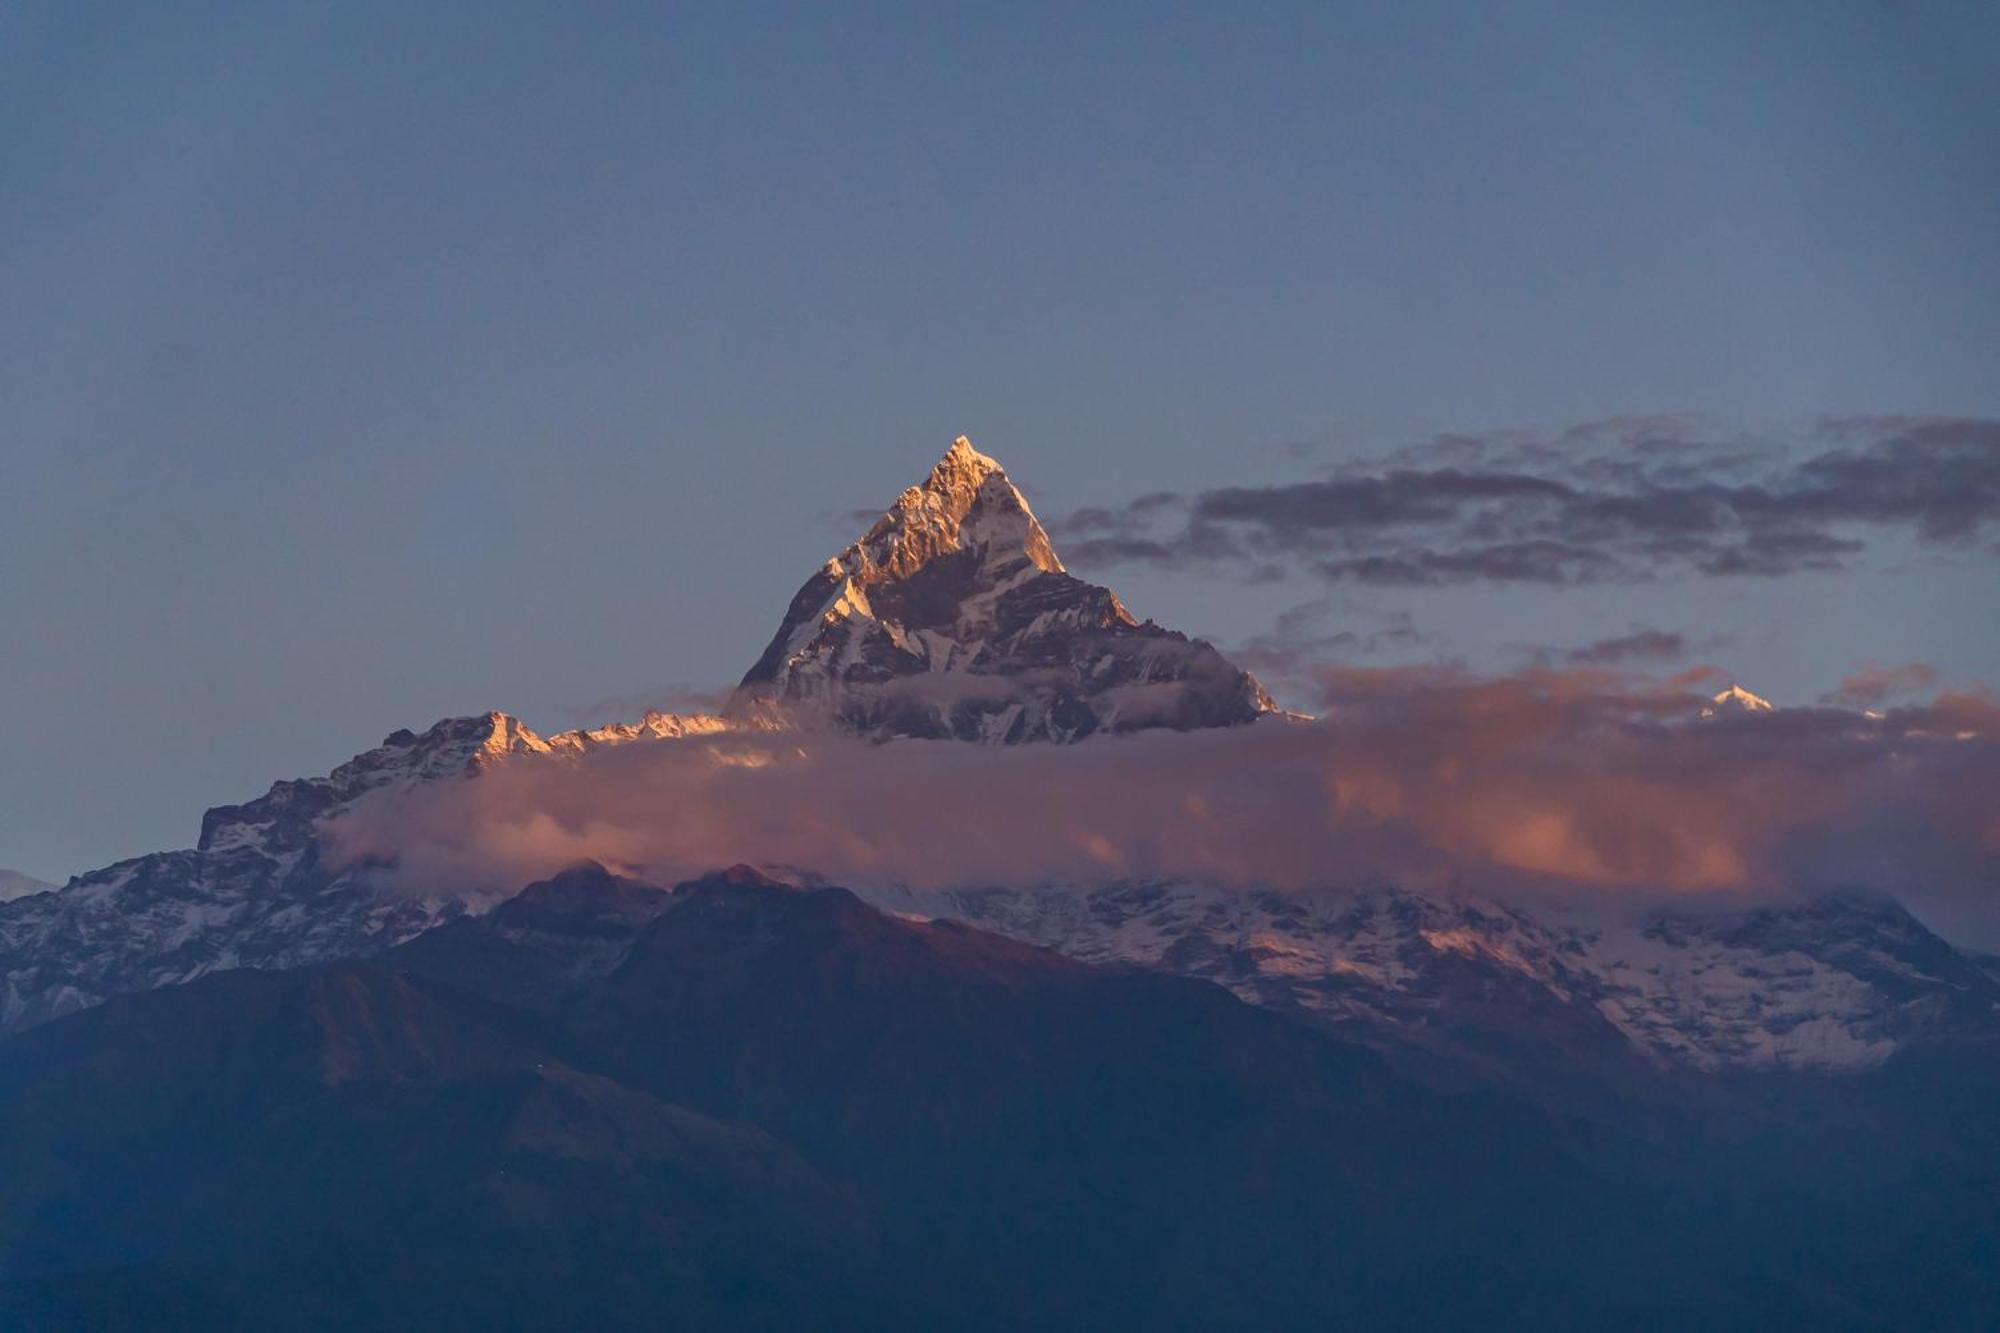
(1304, 639)
(1624, 500)
(1641, 646)
(663, 699)
(1873, 686)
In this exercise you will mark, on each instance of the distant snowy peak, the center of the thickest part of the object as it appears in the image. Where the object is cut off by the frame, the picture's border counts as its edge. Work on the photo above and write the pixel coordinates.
(14, 884)
(954, 617)
(1736, 699)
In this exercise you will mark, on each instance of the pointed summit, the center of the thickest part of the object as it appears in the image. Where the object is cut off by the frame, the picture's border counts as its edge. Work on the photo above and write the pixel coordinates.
(1736, 699)
(953, 616)
(963, 453)
(967, 503)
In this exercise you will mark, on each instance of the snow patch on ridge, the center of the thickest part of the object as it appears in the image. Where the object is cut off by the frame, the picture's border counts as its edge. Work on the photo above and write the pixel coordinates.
(1831, 986)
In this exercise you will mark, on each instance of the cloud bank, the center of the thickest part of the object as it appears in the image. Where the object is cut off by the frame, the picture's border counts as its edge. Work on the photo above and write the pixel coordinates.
(1578, 782)
(1625, 500)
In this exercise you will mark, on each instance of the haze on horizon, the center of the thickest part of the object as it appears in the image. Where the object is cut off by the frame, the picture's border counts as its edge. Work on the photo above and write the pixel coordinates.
(363, 369)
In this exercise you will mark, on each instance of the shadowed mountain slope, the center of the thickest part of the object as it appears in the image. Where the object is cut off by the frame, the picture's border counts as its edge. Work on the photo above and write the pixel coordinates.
(737, 1104)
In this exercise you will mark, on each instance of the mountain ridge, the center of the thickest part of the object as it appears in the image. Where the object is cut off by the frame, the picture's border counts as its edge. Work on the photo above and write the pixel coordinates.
(953, 619)
(736, 1103)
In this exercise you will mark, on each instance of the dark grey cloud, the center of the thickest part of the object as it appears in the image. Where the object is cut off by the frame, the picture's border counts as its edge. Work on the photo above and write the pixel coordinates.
(1536, 561)
(860, 518)
(1122, 551)
(1622, 500)
(1641, 645)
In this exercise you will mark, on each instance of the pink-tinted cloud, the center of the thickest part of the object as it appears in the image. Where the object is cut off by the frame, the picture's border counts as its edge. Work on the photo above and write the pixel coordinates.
(1576, 781)
(1873, 686)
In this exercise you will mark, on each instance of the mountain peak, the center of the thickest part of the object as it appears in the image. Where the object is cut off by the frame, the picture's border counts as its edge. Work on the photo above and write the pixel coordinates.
(966, 503)
(953, 616)
(1736, 699)
(963, 452)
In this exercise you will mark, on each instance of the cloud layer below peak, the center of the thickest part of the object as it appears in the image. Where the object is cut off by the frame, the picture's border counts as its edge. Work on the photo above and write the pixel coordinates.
(1577, 782)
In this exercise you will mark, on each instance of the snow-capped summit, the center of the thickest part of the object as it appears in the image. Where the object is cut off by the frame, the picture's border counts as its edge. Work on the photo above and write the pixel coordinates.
(1736, 699)
(967, 503)
(954, 617)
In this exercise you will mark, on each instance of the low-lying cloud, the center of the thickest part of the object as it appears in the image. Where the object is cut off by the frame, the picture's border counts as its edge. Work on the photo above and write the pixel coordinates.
(1626, 500)
(1575, 782)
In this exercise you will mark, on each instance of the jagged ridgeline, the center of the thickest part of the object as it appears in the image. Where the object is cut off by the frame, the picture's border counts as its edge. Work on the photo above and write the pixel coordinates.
(953, 618)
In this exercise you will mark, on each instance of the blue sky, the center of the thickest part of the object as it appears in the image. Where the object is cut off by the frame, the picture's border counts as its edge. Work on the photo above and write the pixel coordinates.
(366, 365)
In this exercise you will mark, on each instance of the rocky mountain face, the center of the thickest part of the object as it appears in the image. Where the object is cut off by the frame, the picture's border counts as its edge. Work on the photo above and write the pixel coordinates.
(254, 891)
(739, 1104)
(353, 1147)
(952, 617)
(243, 1086)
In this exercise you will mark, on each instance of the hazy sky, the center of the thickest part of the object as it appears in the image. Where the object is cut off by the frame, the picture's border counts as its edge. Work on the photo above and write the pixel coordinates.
(361, 365)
